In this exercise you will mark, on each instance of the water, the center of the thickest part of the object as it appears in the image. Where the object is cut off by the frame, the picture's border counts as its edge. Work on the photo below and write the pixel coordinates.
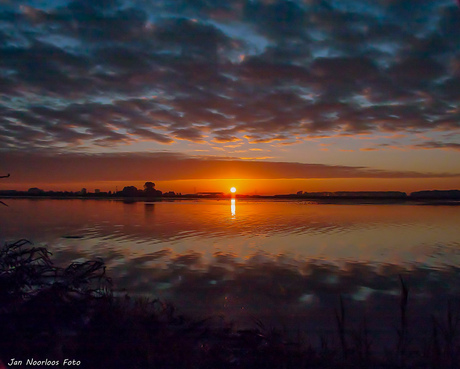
(284, 262)
(398, 234)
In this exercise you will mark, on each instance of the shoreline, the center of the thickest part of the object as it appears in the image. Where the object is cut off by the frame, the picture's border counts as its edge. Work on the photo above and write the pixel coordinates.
(347, 200)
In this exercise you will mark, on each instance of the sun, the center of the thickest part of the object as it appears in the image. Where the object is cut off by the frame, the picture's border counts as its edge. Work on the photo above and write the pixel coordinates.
(233, 190)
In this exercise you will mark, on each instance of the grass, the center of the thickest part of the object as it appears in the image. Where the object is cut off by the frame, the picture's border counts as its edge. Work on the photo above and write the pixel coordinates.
(48, 312)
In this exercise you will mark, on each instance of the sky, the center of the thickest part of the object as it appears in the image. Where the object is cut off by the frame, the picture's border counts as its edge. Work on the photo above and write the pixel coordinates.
(198, 95)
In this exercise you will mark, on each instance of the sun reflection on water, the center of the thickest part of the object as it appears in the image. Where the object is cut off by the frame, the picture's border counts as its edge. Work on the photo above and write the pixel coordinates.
(233, 207)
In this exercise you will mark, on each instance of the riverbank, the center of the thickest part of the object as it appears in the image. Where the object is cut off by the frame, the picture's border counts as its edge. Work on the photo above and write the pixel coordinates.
(349, 200)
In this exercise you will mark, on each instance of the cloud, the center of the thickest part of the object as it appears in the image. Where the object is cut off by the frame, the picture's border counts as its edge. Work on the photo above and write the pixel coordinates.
(277, 19)
(78, 74)
(60, 168)
(438, 145)
(191, 134)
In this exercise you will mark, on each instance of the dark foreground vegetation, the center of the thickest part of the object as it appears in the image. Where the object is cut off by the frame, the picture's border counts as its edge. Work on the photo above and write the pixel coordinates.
(50, 314)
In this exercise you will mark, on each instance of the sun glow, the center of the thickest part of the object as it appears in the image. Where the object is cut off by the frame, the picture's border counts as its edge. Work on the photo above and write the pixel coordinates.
(233, 190)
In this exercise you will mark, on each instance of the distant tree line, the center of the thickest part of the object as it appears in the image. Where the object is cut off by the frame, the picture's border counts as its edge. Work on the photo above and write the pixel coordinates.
(149, 191)
(390, 195)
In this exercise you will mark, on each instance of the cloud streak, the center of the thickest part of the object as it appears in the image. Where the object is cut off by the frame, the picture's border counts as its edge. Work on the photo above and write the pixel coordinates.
(65, 168)
(438, 145)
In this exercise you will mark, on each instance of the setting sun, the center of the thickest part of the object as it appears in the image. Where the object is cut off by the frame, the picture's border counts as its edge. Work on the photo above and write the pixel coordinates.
(233, 190)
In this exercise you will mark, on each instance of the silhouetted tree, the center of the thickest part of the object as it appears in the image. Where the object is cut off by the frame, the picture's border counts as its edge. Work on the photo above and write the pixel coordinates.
(35, 191)
(149, 186)
(129, 191)
(149, 189)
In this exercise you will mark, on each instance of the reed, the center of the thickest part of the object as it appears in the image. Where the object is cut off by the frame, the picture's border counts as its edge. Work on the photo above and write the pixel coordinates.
(362, 342)
(340, 319)
(403, 328)
(445, 350)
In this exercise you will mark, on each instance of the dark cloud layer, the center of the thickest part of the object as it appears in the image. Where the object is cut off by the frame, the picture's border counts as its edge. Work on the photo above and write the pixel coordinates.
(59, 168)
(77, 74)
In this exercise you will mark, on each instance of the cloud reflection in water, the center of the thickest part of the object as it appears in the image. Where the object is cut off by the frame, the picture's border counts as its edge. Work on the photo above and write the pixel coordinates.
(287, 292)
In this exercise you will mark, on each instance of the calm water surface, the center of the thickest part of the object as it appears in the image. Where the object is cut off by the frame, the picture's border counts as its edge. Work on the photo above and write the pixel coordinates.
(283, 261)
(397, 234)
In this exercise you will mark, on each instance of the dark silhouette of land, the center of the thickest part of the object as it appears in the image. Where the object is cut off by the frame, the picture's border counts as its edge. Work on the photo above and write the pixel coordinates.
(149, 192)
